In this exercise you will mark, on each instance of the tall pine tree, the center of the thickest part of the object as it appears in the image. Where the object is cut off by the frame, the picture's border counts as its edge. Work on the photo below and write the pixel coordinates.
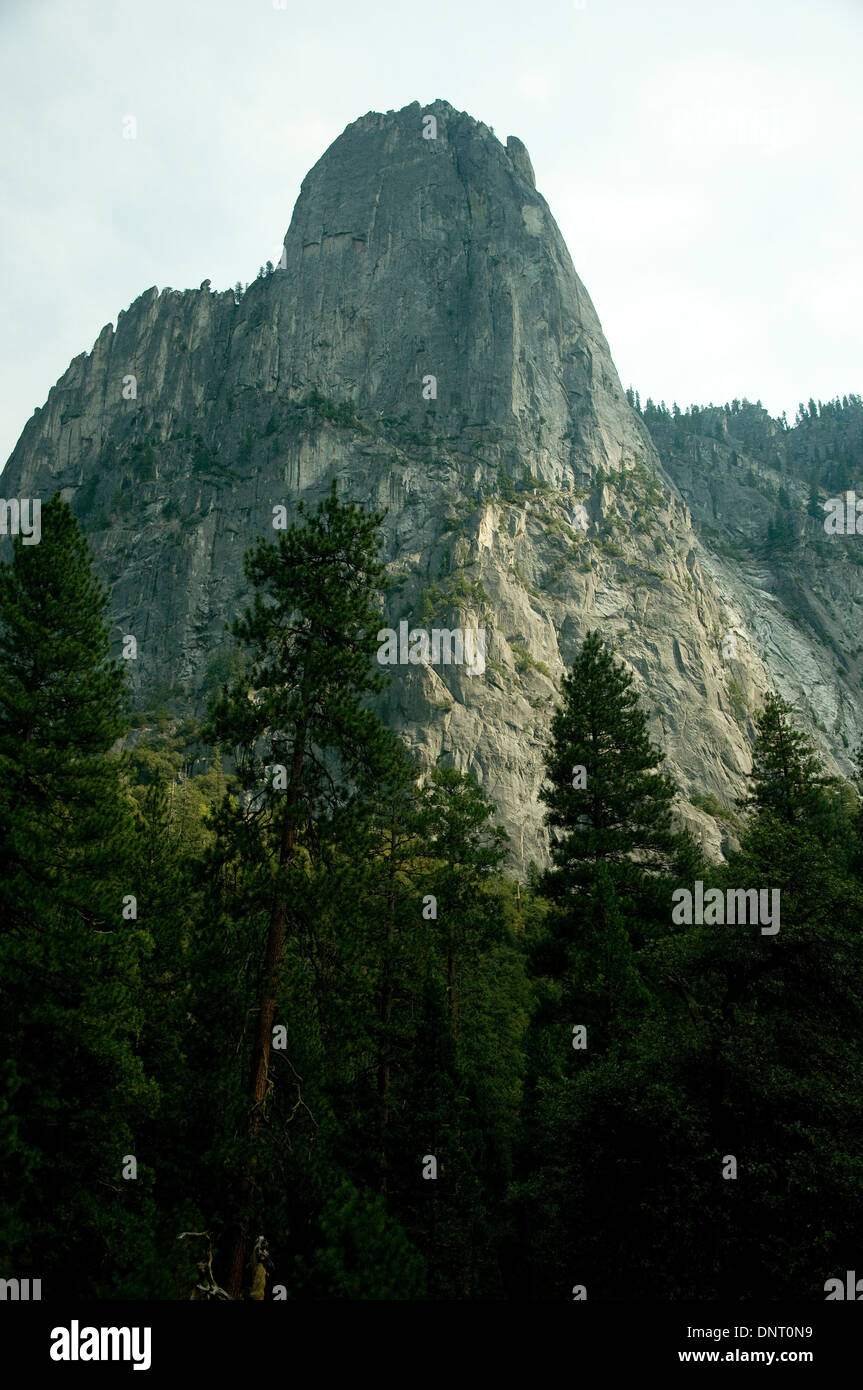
(302, 736)
(70, 946)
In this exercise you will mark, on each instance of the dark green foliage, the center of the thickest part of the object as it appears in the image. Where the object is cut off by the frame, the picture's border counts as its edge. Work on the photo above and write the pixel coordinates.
(70, 963)
(785, 770)
(818, 457)
(429, 1003)
(742, 1045)
(626, 804)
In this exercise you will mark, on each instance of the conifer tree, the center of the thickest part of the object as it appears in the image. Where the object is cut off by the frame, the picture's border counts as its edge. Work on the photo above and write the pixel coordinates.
(604, 794)
(792, 997)
(466, 847)
(479, 1063)
(786, 777)
(606, 797)
(610, 807)
(365, 896)
(70, 1006)
(302, 735)
(614, 859)
(62, 707)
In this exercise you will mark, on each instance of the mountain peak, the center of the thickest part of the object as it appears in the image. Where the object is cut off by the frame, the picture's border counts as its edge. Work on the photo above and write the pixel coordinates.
(428, 344)
(416, 138)
(421, 242)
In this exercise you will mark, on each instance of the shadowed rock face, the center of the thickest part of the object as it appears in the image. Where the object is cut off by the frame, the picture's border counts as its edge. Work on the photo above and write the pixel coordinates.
(429, 344)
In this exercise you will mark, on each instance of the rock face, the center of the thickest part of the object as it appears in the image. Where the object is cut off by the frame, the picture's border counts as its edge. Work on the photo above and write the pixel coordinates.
(758, 494)
(428, 343)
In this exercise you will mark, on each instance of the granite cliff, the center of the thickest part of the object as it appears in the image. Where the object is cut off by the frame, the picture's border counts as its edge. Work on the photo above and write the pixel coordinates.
(426, 341)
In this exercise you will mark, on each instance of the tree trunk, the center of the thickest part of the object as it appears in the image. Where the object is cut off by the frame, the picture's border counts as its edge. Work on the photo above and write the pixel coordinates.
(386, 1015)
(451, 983)
(384, 1063)
(266, 1014)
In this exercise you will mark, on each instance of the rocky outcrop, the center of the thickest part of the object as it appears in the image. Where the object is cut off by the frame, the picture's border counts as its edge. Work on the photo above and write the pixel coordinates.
(428, 343)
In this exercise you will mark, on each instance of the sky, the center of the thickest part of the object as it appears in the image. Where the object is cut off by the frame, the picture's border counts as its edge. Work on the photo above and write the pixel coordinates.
(702, 160)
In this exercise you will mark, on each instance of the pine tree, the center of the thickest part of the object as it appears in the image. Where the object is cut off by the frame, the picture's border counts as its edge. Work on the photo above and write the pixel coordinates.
(592, 954)
(70, 949)
(365, 895)
(792, 997)
(466, 849)
(302, 735)
(786, 779)
(605, 796)
(614, 849)
(62, 706)
(477, 960)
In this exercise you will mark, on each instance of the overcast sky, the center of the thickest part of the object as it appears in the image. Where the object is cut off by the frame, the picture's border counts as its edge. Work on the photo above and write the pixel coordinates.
(702, 160)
